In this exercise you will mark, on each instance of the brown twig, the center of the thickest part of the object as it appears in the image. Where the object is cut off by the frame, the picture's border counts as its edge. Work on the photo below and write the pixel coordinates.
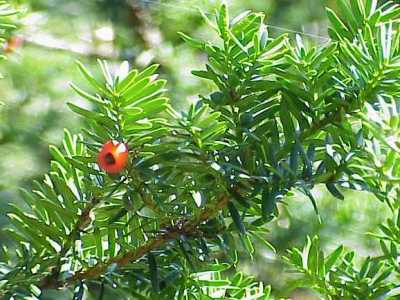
(51, 280)
(185, 227)
(82, 222)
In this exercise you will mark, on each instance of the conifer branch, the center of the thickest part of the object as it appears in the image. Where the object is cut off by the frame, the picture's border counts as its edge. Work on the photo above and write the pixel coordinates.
(181, 227)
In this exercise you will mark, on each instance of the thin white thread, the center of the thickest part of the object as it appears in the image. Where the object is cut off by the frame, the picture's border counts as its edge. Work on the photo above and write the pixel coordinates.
(280, 28)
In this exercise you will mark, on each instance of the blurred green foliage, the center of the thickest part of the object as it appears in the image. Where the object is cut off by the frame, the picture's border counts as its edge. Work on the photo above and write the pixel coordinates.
(57, 32)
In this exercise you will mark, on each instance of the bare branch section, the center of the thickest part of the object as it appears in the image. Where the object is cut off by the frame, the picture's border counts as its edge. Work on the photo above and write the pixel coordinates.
(50, 42)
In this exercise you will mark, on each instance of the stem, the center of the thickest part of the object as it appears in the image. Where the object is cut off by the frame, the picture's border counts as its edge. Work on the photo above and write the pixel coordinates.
(147, 199)
(131, 256)
(81, 223)
(101, 296)
(185, 227)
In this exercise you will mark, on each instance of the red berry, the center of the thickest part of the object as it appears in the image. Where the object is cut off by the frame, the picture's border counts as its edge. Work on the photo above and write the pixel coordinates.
(113, 157)
(13, 43)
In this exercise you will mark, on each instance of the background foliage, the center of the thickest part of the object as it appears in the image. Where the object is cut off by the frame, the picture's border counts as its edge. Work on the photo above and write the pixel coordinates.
(36, 89)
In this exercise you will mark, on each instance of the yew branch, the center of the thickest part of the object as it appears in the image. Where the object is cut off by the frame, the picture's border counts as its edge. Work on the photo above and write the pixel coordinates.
(185, 227)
